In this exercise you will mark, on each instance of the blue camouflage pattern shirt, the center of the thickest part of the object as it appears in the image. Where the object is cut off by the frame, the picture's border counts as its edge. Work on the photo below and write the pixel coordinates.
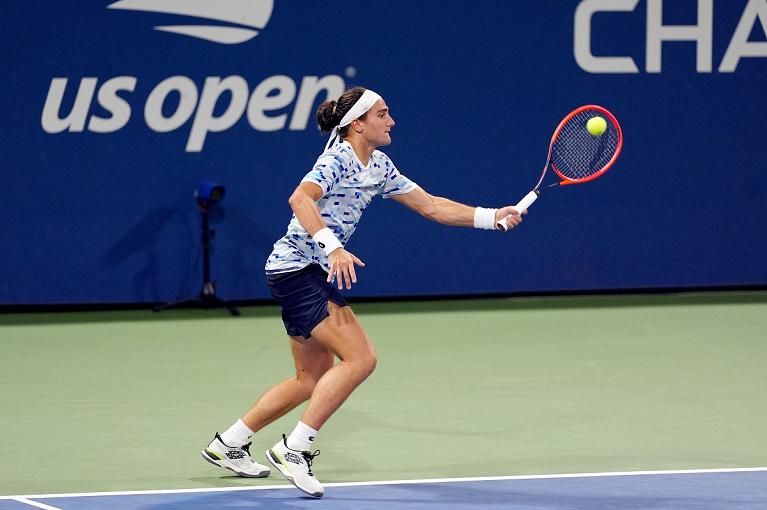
(348, 188)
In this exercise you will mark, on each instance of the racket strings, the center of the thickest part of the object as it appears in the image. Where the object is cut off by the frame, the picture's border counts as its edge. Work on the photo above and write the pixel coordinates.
(577, 154)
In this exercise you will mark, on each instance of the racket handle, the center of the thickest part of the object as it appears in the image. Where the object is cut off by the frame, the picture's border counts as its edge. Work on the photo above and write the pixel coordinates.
(522, 205)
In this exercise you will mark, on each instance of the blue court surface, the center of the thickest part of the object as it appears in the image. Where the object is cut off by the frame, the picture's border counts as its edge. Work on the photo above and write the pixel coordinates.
(737, 489)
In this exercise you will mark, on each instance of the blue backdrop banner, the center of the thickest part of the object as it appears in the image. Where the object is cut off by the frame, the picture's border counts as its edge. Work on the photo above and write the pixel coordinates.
(113, 110)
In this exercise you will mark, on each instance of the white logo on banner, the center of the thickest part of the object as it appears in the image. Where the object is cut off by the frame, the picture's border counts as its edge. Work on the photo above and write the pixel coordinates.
(275, 103)
(658, 32)
(251, 15)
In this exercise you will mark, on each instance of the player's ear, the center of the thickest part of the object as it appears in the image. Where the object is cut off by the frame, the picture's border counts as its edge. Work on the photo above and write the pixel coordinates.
(357, 126)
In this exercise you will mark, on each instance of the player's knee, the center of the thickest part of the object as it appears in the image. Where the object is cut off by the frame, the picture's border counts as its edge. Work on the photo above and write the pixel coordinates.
(308, 380)
(367, 363)
(307, 388)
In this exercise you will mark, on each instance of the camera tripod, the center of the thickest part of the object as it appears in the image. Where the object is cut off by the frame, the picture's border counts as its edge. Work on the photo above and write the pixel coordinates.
(207, 298)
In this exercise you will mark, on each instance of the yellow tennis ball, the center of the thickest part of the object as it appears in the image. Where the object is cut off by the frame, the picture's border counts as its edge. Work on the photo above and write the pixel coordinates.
(596, 126)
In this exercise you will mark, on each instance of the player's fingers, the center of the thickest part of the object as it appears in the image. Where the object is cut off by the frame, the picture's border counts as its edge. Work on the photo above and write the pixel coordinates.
(353, 274)
(331, 272)
(348, 275)
(358, 261)
(504, 212)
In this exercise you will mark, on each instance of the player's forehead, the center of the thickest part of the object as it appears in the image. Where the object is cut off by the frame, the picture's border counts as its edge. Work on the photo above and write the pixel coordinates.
(379, 106)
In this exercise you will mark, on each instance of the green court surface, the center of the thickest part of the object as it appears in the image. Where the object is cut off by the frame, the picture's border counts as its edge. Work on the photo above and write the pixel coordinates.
(108, 401)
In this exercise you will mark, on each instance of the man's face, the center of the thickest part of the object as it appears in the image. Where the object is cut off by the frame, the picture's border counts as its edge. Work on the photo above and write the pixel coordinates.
(377, 124)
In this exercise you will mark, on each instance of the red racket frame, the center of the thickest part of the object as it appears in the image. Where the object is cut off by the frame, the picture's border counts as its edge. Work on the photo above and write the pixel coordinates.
(566, 180)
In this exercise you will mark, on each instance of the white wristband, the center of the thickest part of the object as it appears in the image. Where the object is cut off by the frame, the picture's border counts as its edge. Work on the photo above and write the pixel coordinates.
(484, 218)
(327, 241)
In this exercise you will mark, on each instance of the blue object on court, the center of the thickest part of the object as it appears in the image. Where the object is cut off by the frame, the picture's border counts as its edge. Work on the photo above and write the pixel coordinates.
(662, 491)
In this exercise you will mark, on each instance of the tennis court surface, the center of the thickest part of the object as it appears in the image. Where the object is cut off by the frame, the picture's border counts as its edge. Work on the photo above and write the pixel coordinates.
(700, 490)
(620, 402)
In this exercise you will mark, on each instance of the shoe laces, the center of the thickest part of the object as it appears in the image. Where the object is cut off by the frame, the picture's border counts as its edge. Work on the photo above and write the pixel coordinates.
(245, 447)
(307, 455)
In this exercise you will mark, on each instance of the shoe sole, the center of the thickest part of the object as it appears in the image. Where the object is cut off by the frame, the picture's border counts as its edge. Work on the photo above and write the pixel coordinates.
(213, 459)
(277, 463)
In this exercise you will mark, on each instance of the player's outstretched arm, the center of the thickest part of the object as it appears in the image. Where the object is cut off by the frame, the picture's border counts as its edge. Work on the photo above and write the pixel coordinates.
(448, 212)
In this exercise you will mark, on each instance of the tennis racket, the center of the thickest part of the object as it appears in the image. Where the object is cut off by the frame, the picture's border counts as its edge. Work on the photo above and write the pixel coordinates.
(575, 155)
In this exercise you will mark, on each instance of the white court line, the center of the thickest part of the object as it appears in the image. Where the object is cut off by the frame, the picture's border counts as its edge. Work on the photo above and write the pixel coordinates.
(386, 482)
(35, 504)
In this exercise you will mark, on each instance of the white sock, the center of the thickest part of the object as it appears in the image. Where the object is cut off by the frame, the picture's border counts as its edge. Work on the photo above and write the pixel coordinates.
(236, 435)
(302, 437)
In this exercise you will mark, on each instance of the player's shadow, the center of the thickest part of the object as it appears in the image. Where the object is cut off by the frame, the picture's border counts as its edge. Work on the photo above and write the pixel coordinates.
(143, 241)
(247, 245)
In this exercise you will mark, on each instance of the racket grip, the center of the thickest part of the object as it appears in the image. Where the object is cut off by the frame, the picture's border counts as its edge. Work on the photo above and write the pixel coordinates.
(522, 205)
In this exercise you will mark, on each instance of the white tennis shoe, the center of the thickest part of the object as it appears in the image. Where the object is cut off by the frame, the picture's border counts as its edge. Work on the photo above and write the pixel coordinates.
(296, 466)
(234, 459)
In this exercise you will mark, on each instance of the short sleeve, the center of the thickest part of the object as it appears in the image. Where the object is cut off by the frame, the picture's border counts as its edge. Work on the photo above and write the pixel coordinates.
(396, 183)
(326, 173)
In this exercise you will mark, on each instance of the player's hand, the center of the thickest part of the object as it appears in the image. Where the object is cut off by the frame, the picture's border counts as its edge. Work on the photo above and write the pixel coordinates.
(510, 213)
(342, 267)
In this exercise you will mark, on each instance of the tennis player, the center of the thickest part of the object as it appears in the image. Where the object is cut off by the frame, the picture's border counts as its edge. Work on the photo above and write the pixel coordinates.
(310, 265)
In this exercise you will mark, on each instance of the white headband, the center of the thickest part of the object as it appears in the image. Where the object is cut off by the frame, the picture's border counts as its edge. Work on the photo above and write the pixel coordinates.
(360, 108)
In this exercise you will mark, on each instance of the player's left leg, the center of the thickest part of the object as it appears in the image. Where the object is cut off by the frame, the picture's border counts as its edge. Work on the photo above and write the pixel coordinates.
(312, 360)
(342, 334)
(231, 449)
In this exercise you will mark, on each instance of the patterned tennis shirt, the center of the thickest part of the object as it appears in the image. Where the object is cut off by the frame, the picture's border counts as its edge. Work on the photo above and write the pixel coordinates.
(348, 188)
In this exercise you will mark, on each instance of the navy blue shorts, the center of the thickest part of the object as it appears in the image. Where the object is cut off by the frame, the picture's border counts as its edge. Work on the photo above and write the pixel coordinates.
(303, 296)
